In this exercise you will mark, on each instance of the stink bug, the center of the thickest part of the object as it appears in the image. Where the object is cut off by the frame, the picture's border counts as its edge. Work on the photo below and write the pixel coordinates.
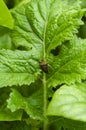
(44, 66)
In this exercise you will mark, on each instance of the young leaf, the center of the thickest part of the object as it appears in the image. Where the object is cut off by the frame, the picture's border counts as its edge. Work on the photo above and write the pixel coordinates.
(69, 65)
(31, 32)
(36, 28)
(50, 27)
(6, 19)
(18, 67)
(33, 105)
(69, 102)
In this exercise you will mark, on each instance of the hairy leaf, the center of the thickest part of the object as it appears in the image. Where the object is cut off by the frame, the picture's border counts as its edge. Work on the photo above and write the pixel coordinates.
(18, 67)
(69, 65)
(34, 26)
(39, 29)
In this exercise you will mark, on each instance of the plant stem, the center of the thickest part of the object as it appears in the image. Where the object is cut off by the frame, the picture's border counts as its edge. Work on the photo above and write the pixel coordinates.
(44, 76)
(45, 101)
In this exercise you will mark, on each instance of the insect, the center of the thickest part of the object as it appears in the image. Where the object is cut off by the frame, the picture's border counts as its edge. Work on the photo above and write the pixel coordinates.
(44, 66)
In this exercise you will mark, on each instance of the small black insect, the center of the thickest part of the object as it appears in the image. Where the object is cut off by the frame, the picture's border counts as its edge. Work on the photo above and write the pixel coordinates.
(44, 66)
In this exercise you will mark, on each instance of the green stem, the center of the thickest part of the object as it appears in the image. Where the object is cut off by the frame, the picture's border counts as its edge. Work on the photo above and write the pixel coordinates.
(44, 78)
(45, 101)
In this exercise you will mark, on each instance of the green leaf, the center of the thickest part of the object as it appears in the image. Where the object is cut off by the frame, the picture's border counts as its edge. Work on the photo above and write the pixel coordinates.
(33, 105)
(83, 4)
(15, 125)
(69, 102)
(5, 42)
(60, 123)
(41, 31)
(69, 65)
(19, 126)
(35, 124)
(6, 19)
(7, 115)
(33, 33)
(5, 39)
(18, 67)
(36, 28)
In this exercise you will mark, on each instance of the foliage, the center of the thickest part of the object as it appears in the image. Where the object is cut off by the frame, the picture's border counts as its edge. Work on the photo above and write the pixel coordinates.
(5, 16)
(43, 65)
